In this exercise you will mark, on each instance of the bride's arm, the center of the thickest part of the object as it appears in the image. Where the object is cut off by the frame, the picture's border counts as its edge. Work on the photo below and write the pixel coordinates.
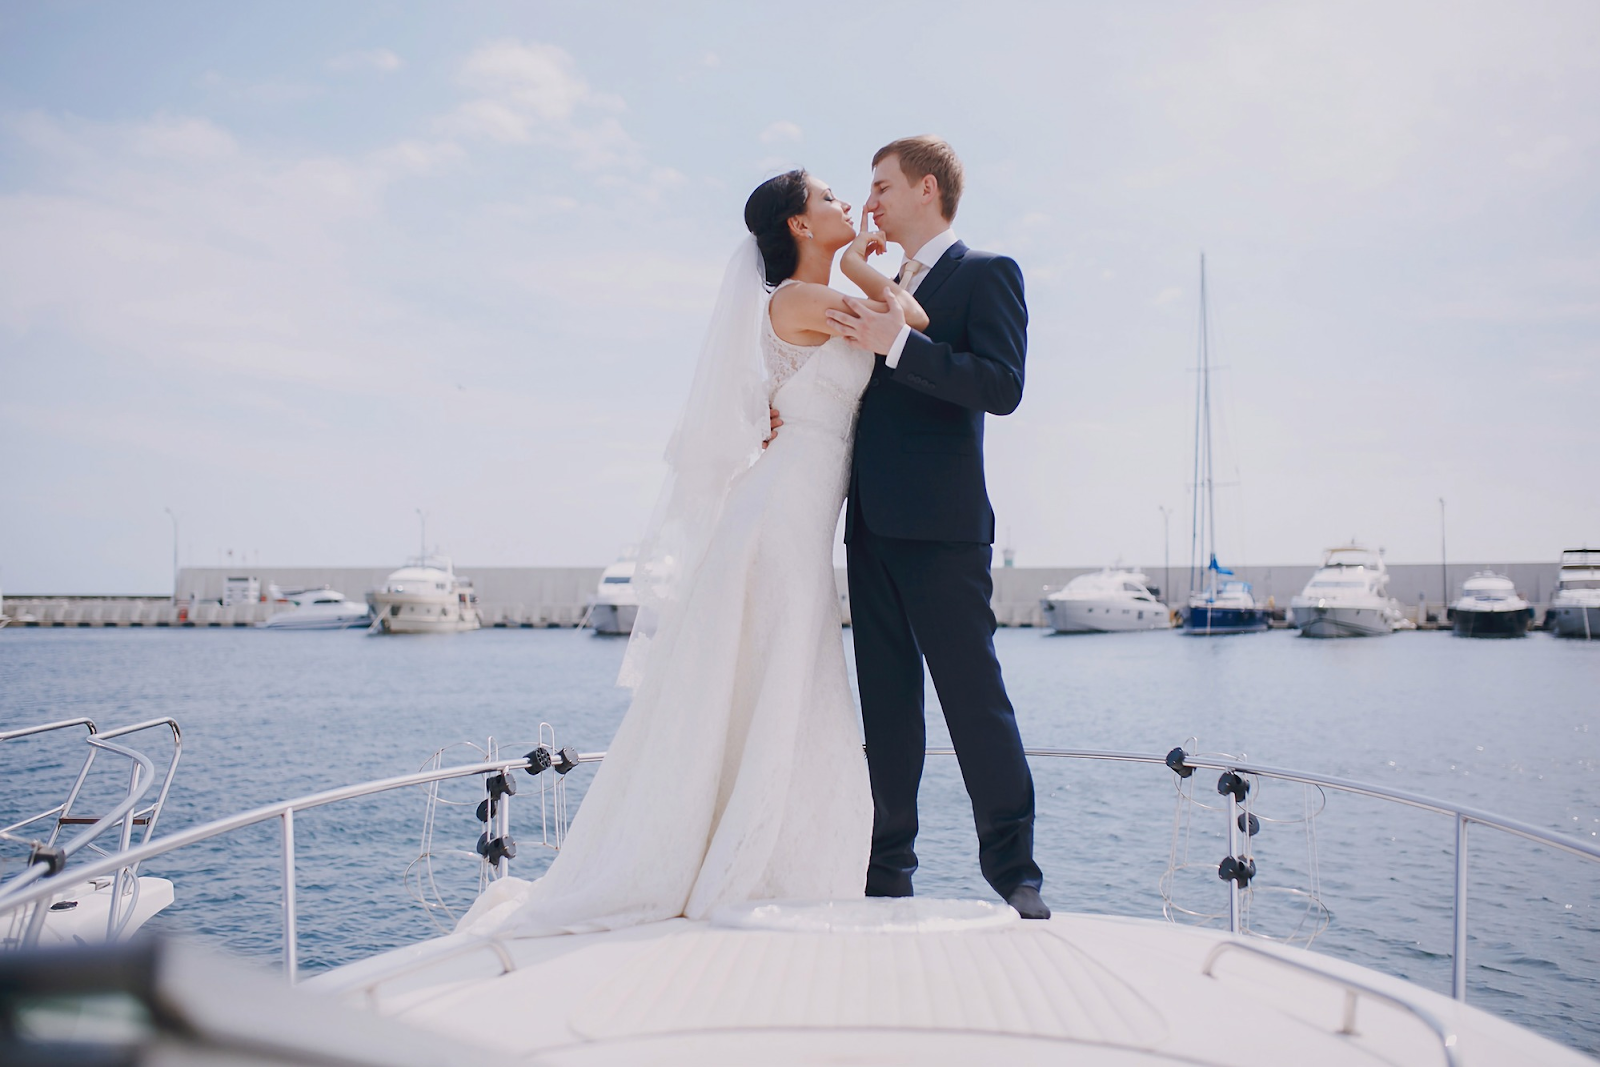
(854, 265)
(799, 312)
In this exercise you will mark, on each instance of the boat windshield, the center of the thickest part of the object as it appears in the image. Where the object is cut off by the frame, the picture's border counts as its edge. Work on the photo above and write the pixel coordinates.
(616, 579)
(1580, 583)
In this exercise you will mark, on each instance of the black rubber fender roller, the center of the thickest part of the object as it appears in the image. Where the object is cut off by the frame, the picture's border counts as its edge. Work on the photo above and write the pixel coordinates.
(538, 760)
(1233, 784)
(486, 809)
(501, 785)
(1175, 760)
(53, 857)
(1252, 826)
(566, 760)
(497, 848)
(1239, 870)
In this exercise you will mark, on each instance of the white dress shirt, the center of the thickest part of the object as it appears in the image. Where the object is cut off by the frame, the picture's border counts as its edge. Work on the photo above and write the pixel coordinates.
(928, 255)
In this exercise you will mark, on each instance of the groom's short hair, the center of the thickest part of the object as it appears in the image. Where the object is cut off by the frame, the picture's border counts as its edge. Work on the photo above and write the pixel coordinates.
(925, 155)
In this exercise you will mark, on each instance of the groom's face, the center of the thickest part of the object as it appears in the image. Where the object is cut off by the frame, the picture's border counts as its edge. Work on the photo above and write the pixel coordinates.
(894, 202)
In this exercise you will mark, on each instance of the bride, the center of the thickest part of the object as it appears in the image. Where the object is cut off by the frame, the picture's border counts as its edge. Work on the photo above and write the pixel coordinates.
(738, 772)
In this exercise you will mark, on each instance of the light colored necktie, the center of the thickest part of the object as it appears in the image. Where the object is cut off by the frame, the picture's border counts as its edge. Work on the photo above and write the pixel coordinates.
(908, 271)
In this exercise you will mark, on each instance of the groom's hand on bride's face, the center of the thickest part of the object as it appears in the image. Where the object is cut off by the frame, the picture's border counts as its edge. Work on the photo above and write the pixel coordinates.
(867, 326)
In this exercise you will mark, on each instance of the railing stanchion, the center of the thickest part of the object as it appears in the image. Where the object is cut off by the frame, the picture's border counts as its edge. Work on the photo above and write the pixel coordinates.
(1458, 954)
(1233, 851)
(290, 955)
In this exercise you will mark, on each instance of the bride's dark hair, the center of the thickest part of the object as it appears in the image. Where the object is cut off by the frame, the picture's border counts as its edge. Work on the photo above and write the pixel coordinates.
(767, 214)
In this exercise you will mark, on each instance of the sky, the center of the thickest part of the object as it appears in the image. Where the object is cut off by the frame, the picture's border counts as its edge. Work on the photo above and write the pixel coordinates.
(295, 271)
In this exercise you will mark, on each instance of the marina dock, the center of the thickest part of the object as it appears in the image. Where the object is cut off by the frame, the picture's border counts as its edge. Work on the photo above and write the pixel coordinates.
(552, 597)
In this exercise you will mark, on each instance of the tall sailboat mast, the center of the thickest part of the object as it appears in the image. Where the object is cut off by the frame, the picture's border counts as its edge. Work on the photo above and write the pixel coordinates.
(1202, 521)
(1205, 379)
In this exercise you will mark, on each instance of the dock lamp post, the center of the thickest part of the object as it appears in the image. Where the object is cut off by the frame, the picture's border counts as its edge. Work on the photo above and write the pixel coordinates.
(174, 519)
(1444, 572)
(1166, 552)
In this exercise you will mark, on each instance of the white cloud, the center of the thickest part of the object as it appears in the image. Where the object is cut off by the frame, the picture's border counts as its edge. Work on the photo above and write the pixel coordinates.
(537, 80)
(781, 132)
(182, 138)
(532, 93)
(378, 59)
(420, 157)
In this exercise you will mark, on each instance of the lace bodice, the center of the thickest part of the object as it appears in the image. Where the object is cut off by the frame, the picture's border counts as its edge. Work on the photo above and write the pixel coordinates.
(827, 394)
(782, 358)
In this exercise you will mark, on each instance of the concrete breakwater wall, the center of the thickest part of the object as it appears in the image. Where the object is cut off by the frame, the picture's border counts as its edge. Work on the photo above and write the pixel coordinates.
(560, 596)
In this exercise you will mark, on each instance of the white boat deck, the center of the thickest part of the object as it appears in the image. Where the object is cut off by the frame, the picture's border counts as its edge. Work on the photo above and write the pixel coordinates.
(923, 982)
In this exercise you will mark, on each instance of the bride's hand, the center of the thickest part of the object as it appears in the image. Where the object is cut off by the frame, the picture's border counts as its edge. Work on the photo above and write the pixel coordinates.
(916, 318)
(869, 243)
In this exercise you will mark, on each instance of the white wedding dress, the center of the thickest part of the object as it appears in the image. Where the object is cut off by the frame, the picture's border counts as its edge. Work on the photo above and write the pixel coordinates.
(738, 772)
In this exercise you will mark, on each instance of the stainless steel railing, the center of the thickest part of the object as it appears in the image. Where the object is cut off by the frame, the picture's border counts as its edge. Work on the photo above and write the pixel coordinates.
(284, 812)
(46, 856)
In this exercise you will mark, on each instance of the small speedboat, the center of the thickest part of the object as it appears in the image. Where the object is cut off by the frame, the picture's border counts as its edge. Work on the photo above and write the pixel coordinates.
(616, 601)
(1575, 605)
(1347, 597)
(1490, 606)
(318, 609)
(426, 596)
(1103, 602)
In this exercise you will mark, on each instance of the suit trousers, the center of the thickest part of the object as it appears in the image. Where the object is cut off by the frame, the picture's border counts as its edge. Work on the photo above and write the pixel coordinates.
(912, 601)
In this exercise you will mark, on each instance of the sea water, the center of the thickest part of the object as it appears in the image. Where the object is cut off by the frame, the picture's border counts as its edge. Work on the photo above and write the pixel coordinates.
(1507, 726)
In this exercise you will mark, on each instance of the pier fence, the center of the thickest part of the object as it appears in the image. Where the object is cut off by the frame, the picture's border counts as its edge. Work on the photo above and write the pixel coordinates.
(537, 597)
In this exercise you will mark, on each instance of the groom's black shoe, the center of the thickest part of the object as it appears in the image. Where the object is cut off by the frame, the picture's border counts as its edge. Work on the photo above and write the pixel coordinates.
(1028, 902)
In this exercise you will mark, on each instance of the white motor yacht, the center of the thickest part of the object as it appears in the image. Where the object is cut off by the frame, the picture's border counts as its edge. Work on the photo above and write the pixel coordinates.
(1347, 597)
(317, 609)
(426, 596)
(616, 601)
(1490, 606)
(1105, 601)
(786, 982)
(1575, 606)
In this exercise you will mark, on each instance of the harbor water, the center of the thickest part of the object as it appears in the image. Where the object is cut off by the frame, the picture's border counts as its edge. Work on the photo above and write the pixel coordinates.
(1508, 726)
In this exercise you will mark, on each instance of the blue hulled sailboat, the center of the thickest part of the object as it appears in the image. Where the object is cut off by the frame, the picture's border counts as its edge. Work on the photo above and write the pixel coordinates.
(1226, 605)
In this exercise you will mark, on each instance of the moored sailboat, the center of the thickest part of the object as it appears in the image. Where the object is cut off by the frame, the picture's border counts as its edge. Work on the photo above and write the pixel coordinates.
(1226, 605)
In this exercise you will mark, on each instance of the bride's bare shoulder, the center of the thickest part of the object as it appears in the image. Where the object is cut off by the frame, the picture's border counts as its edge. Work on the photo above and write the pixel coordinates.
(798, 312)
(800, 295)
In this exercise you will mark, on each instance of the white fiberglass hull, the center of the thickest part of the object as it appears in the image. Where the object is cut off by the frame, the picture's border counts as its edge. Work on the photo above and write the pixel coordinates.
(613, 618)
(422, 615)
(79, 915)
(1575, 620)
(1342, 620)
(1105, 615)
(919, 981)
(303, 619)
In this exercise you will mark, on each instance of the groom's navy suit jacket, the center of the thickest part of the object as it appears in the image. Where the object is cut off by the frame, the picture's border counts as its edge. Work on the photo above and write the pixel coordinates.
(918, 466)
(920, 530)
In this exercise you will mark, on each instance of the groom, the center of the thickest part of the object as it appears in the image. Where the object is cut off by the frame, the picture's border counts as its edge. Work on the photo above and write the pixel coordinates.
(920, 531)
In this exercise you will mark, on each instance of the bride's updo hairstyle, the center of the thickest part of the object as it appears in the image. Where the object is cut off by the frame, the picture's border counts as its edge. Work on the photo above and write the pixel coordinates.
(767, 214)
